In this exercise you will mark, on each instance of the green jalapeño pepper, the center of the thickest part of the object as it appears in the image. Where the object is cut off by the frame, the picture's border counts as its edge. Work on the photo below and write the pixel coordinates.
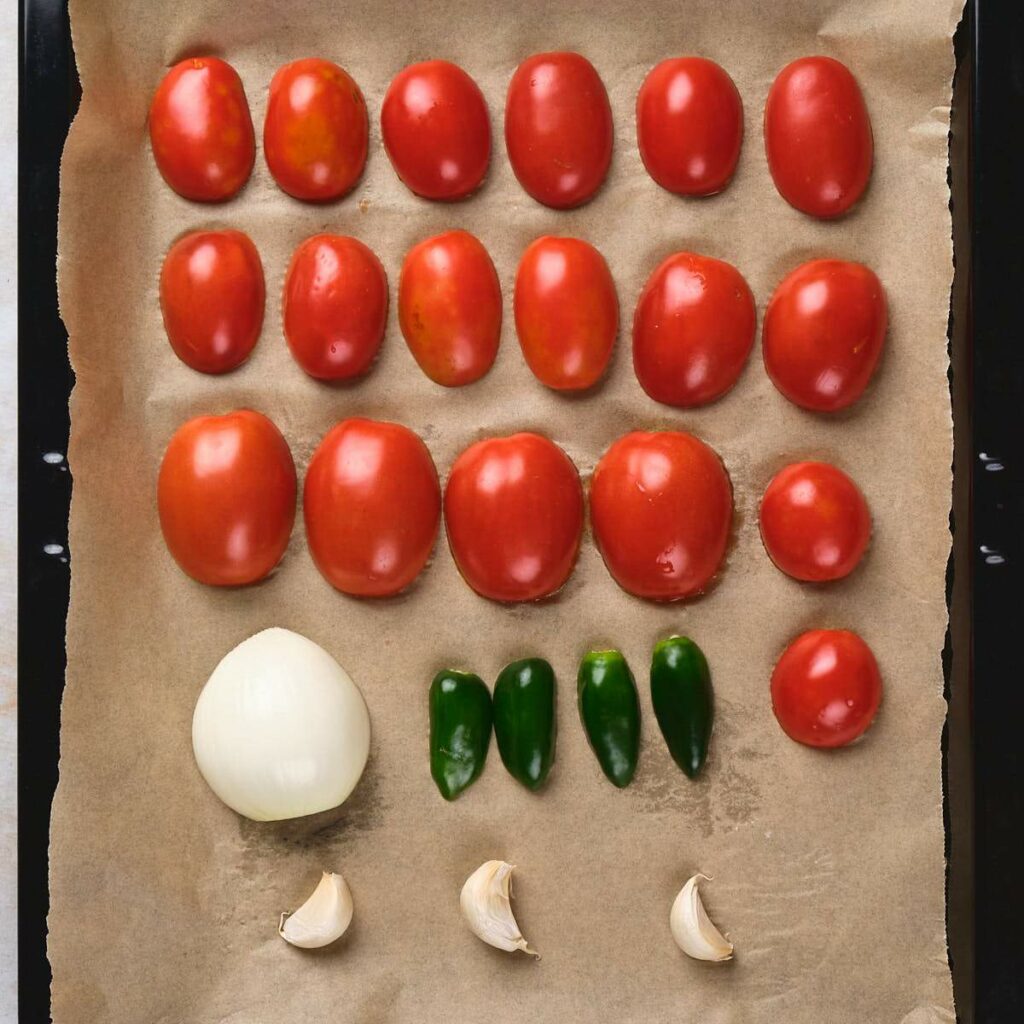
(460, 730)
(524, 719)
(683, 702)
(610, 713)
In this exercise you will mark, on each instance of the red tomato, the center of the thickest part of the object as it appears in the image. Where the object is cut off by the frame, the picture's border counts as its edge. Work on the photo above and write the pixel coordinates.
(826, 688)
(226, 497)
(513, 508)
(436, 130)
(823, 333)
(567, 313)
(689, 126)
(817, 136)
(558, 128)
(201, 131)
(449, 308)
(316, 130)
(815, 523)
(212, 298)
(335, 307)
(372, 505)
(661, 508)
(693, 330)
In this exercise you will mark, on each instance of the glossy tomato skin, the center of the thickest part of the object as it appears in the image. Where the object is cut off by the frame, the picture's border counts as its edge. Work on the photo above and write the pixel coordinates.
(689, 126)
(817, 136)
(335, 307)
(566, 311)
(693, 330)
(436, 130)
(201, 130)
(316, 130)
(824, 330)
(212, 296)
(226, 497)
(513, 509)
(661, 509)
(372, 505)
(558, 128)
(815, 522)
(449, 308)
(826, 688)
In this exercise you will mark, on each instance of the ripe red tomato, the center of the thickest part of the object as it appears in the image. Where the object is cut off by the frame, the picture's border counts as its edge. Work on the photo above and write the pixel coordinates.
(693, 330)
(826, 688)
(567, 313)
(449, 308)
(661, 508)
(335, 307)
(817, 136)
(815, 523)
(689, 126)
(201, 131)
(823, 333)
(316, 130)
(558, 128)
(513, 509)
(436, 130)
(226, 497)
(212, 297)
(372, 504)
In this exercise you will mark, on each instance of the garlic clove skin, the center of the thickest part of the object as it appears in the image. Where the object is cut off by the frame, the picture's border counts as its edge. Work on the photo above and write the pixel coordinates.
(324, 917)
(487, 908)
(695, 932)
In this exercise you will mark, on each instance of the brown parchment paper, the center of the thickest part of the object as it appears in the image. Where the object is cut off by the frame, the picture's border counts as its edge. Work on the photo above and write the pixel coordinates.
(828, 868)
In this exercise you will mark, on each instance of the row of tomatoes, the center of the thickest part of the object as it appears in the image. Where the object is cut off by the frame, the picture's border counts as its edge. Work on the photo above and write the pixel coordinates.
(661, 508)
(436, 130)
(693, 327)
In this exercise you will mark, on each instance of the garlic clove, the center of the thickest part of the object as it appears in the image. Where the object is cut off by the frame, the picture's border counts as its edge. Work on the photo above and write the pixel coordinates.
(695, 932)
(324, 917)
(487, 908)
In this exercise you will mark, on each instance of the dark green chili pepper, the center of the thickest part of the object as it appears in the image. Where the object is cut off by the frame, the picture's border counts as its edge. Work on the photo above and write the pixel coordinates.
(683, 701)
(610, 713)
(524, 719)
(460, 730)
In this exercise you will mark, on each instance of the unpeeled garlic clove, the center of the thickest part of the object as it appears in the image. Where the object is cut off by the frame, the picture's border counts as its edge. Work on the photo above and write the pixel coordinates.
(324, 917)
(487, 907)
(695, 932)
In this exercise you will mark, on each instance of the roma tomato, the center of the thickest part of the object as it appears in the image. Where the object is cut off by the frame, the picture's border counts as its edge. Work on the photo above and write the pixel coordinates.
(567, 313)
(372, 505)
(316, 130)
(693, 330)
(815, 523)
(226, 497)
(212, 297)
(201, 130)
(513, 508)
(335, 307)
(823, 333)
(689, 126)
(436, 130)
(661, 508)
(449, 308)
(558, 128)
(817, 136)
(826, 688)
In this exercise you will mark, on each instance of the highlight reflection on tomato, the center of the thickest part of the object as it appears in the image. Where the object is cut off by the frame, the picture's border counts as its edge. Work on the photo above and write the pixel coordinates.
(661, 508)
(567, 313)
(201, 130)
(372, 505)
(335, 307)
(513, 509)
(226, 497)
